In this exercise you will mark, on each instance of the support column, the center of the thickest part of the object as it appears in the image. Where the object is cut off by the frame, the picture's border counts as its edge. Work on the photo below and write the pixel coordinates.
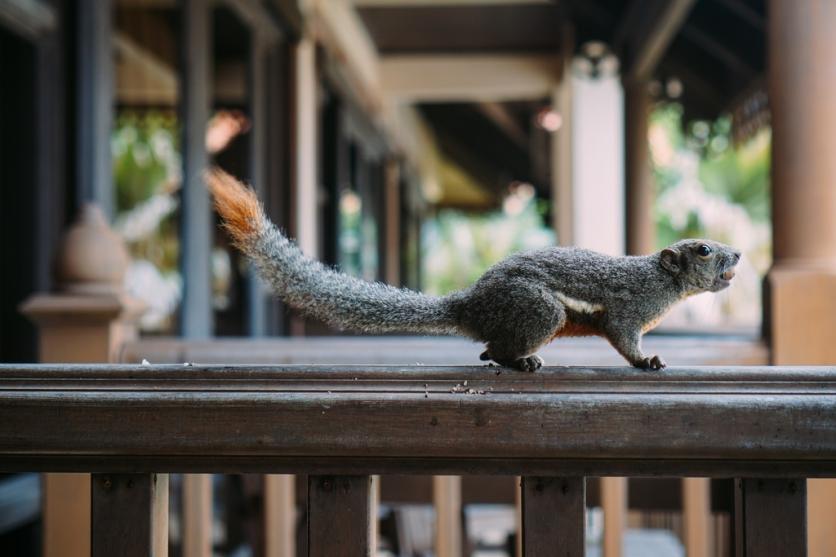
(561, 148)
(196, 214)
(639, 199)
(256, 292)
(94, 172)
(305, 140)
(392, 199)
(801, 287)
(196, 225)
(87, 321)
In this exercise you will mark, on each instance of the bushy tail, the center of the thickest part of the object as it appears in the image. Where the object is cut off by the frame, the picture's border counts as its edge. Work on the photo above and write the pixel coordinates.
(333, 297)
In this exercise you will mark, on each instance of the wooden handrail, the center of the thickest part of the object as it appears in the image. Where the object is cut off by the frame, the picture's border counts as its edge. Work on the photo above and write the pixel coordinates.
(444, 491)
(770, 427)
(366, 419)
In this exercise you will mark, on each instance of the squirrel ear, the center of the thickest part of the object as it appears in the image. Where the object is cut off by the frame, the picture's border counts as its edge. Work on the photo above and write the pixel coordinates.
(670, 260)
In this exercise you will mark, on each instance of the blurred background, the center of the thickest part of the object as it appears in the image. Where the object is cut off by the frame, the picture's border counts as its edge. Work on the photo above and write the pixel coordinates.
(417, 142)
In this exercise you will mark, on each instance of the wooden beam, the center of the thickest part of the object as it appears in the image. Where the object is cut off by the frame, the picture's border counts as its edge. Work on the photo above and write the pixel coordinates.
(646, 41)
(129, 515)
(196, 319)
(553, 511)
(257, 17)
(500, 77)
(501, 116)
(561, 150)
(392, 220)
(639, 186)
(337, 25)
(338, 516)
(263, 416)
(744, 12)
(711, 46)
(770, 517)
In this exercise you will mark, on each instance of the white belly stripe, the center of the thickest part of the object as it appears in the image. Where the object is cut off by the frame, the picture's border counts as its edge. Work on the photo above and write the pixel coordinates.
(578, 305)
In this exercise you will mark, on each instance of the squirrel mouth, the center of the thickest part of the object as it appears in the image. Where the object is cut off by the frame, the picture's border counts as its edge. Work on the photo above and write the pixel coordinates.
(723, 280)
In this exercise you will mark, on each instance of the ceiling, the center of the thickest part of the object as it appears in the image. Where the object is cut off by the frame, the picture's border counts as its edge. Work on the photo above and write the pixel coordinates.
(715, 48)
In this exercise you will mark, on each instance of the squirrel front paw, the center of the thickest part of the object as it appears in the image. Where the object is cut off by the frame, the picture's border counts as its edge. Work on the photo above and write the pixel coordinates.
(651, 362)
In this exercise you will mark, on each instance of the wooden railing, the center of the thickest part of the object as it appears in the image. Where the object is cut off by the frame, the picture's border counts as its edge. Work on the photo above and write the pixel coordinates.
(447, 494)
(129, 425)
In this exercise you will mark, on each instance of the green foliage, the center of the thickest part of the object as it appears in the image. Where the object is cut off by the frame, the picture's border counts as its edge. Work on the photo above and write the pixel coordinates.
(146, 173)
(143, 146)
(737, 174)
(459, 247)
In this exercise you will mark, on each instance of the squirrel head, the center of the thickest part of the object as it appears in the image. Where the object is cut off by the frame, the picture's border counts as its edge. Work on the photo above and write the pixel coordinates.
(700, 265)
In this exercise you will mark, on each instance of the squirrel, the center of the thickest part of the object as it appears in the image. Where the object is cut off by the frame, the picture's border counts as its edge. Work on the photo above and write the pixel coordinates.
(515, 307)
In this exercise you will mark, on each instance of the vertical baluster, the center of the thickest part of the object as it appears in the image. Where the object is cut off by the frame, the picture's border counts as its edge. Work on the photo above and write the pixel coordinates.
(447, 500)
(696, 516)
(197, 515)
(338, 516)
(614, 506)
(553, 516)
(279, 515)
(129, 515)
(770, 517)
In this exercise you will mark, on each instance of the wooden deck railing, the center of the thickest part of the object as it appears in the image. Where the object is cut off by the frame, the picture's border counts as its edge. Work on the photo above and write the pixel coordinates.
(129, 425)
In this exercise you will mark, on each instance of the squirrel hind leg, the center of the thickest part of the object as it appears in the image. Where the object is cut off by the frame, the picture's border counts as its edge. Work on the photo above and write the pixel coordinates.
(517, 323)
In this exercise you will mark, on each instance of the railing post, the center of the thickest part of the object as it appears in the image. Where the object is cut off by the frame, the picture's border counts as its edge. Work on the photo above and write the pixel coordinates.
(553, 511)
(770, 517)
(86, 321)
(614, 505)
(279, 515)
(696, 512)
(129, 515)
(339, 521)
(447, 500)
(196, 515)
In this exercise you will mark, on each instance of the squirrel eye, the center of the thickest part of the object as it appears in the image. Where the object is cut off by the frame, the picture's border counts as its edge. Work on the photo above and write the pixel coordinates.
(703, 250)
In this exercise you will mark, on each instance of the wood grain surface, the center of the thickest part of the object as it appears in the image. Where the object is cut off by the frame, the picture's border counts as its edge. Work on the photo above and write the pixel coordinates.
(714, 421)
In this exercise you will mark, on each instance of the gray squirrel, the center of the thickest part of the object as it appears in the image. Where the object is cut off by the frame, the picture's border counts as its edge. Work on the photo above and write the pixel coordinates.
(517, 306)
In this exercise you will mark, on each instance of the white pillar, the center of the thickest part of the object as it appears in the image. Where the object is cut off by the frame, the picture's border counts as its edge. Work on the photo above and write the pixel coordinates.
(306, 180)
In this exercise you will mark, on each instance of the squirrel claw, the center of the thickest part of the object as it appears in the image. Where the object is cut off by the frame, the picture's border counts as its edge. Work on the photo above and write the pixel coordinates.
(651, 362)
(529, 363)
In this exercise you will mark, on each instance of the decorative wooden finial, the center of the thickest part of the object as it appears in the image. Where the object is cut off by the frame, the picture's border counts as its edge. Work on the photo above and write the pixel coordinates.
(93, 259)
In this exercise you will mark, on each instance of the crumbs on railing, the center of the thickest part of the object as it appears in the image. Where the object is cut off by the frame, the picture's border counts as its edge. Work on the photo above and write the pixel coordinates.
(463, 388)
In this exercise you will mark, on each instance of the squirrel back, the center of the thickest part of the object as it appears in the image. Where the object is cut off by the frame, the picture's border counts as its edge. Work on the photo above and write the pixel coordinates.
(336, 298)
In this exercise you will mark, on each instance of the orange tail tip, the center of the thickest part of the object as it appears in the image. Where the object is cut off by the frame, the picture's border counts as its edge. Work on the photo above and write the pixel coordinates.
(236, 203)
